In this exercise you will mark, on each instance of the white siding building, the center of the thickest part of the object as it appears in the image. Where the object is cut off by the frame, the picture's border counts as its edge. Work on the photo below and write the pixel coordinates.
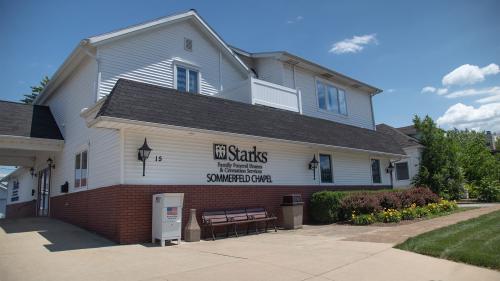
(176, 83)
(406, 168)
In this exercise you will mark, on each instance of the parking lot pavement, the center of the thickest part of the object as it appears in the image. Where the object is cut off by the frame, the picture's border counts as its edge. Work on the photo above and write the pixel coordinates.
(47, 249)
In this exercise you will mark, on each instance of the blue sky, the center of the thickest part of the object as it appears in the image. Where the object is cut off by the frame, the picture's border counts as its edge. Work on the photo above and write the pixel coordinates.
(399, 47)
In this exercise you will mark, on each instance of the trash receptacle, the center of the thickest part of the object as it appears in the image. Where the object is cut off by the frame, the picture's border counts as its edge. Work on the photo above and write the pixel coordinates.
(292, 209)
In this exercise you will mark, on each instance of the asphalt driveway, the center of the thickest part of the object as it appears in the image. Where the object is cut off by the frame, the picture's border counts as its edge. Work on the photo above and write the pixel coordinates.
(46, 249)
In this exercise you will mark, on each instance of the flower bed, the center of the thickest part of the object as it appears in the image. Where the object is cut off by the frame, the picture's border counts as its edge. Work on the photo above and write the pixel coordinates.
(362, 208)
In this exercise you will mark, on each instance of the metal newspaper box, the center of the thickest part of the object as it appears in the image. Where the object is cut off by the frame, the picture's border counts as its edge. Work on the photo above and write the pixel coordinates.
(167, 217)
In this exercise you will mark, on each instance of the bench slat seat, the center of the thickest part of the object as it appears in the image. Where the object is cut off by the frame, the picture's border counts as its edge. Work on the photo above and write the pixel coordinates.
(234, 217)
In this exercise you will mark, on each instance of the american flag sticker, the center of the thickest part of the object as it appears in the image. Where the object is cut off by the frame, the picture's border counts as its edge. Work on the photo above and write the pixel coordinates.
(171, 211)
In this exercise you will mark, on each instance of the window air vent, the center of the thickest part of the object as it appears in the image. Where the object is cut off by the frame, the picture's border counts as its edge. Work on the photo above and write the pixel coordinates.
(327, 75)
(188, 44)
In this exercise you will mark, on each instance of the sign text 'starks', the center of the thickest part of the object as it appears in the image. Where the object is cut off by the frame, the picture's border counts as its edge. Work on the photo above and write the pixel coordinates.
(232, 170)
(234, 153)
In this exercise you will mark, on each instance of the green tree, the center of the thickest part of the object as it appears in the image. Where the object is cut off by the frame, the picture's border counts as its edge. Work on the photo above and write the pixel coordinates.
(35, 91)
(475, 158)
(439, 166)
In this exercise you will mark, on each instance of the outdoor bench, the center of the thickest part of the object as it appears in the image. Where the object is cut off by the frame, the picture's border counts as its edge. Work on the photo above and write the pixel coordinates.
(234, 217)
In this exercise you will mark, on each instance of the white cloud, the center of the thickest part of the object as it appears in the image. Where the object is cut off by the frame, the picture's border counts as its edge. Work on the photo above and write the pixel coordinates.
(461, 116)
(391, 90)
(442, 91)
(353, 45)
(494, 91)
(490, 99)
(428, 89)
(469, 74)
(297, 19)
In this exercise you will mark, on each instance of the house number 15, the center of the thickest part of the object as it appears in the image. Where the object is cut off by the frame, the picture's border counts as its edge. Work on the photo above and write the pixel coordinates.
(158, 158)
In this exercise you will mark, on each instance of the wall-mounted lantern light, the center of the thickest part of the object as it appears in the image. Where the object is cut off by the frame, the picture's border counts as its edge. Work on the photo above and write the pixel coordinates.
(143, 155)
(50, 163)
(313, 165)
(389, 170)
(32, 172)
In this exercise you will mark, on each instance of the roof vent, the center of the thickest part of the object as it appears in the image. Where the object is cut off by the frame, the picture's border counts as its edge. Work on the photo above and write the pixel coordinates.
(292, 62)
(327, 75)
(188, 44)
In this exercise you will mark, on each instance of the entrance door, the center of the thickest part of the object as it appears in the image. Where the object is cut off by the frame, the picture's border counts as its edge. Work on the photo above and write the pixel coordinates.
(42, 202)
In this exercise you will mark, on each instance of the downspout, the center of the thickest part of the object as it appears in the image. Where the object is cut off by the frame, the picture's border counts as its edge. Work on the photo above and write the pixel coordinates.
(299, 93)
(221, 88)
(97, 89)
(373, 114)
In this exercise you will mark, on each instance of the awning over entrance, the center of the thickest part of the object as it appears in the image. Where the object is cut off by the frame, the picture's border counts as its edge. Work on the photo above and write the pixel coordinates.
(26, 130)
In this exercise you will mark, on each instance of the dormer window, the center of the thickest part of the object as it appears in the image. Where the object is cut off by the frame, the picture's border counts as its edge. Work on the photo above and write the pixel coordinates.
(331, 98)
(187, 80)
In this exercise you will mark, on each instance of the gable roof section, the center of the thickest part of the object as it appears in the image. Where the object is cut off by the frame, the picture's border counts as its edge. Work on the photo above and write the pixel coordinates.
(401, 138)
(86, 46)
(157, 23)
(32, 121)
(296, 60)
(131, 100)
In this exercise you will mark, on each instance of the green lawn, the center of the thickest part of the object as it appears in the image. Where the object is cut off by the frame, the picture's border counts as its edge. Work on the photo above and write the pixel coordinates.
(475, 241)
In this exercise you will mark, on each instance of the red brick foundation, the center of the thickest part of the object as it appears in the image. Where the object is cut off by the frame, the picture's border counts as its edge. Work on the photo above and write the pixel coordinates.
(21, 210)
(123, 212)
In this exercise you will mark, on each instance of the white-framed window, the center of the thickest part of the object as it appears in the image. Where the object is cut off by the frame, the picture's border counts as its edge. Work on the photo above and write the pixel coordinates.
(325, 168)
(376, 174)
(187, 79)
(331, 98)
(81, 169)
(402, 172)
(15, 191)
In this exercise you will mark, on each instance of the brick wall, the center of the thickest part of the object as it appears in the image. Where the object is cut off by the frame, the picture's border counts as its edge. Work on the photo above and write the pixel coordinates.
(123, 212)
(95, 210)
(21, 210)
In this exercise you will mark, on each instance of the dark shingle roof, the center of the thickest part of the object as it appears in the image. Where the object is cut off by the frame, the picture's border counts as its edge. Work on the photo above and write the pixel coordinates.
(144, 102)
(401, 138)
(408, 130)
(24, 120)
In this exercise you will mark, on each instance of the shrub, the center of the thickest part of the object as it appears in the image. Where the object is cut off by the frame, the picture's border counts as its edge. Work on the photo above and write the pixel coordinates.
(359, 203)
(409, 213)
(472, 190)
(389, 200)
(325, 205)
(363, 219)
(390, 215)
(433, 208)
(447, 206)
(488, 190)
(419, 196)
(422, 212)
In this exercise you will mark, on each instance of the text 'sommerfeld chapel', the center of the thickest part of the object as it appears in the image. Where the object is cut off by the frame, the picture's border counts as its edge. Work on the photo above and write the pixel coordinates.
(228, 128)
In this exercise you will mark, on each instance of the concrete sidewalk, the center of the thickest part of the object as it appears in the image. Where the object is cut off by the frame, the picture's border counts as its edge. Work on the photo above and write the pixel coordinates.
(45, 249)
(396, 233)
